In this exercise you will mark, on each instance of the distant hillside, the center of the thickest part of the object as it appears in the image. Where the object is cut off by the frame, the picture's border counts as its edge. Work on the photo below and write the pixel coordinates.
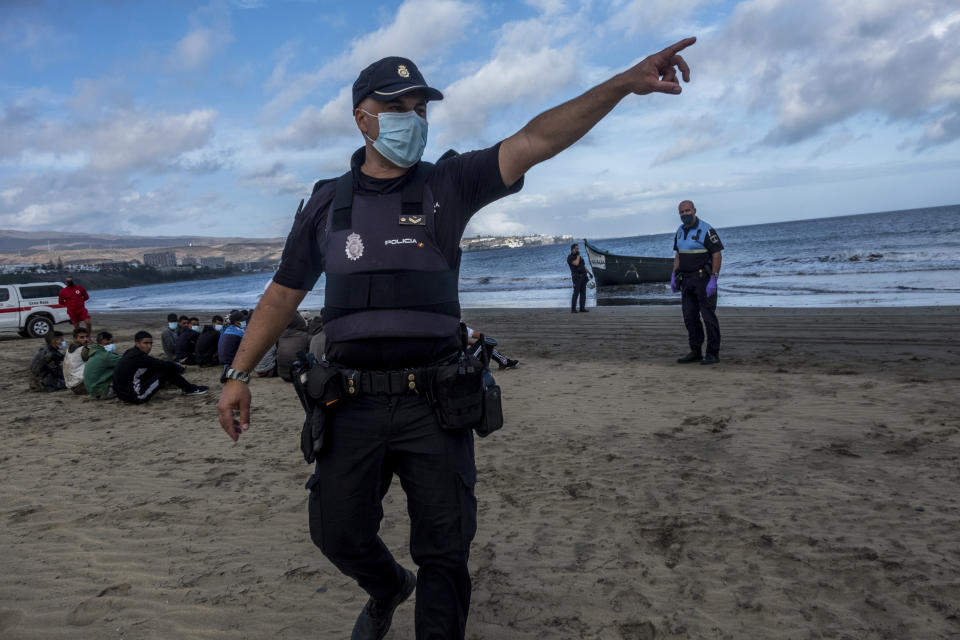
(18, 247)
(29, 242)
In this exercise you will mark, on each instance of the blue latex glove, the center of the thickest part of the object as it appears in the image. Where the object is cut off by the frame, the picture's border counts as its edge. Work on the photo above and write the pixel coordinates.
(673, 282)
(712, 287)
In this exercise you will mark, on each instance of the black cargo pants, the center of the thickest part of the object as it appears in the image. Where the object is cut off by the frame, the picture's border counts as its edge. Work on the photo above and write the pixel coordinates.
(579, 291)
(697, 305)
(368, 440)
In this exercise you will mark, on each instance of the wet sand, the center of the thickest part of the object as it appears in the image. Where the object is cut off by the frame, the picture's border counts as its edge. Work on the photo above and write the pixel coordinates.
(806, 487)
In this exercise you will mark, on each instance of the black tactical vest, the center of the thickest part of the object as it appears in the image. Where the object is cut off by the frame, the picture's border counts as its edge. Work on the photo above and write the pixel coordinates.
(386, 275)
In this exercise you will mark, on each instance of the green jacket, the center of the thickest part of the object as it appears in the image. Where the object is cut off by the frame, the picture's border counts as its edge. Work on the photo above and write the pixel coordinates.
(98, 372)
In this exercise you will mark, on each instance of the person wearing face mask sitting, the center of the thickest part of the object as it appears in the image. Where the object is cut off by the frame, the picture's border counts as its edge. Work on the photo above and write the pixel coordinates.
(187, 343)
(46, 368)
(169, 336)
(206, 351)
(696, 268)
(101, 361)
(231, 337)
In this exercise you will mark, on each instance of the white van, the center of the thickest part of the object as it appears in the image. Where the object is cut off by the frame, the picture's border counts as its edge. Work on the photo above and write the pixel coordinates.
(31, 309)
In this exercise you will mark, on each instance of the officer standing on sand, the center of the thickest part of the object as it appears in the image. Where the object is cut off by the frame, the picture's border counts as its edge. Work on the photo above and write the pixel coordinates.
(387, 236)
(696, 267)
(580, 275)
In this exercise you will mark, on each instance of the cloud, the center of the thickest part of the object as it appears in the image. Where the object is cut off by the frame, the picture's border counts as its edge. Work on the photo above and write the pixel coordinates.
(133, 139)
(420, 30)
(654, 16)
(531, 61)
(278, 77)
(276, 180)
(107, 203)
(508, 78)
(494, 223)
(313, 125)
(698, 135)
(836, 142)
(548, 7)
(209, 35)
(817, 64)
(944, 129)
(125, 139)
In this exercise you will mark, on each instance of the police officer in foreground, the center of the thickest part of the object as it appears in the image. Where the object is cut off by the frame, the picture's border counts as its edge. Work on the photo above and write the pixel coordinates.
(387, 236)
(696, 267)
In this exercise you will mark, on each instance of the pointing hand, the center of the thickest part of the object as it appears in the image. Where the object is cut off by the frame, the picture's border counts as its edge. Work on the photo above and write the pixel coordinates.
(658, 72)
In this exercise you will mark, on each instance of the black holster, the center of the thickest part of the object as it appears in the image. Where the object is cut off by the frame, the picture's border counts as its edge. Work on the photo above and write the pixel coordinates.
(319, 387)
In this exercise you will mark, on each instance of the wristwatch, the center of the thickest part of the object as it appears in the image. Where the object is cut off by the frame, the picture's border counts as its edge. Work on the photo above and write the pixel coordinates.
(234, 374)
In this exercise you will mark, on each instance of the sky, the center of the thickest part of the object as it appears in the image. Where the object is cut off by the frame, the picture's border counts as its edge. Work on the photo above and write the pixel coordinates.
(192, 118)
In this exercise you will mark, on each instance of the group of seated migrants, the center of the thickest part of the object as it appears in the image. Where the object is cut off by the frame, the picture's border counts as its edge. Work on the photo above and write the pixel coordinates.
(93, 367)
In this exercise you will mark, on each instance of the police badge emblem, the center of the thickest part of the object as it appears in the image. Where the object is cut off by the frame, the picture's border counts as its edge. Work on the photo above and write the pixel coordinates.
(354, 246)
(402, 71)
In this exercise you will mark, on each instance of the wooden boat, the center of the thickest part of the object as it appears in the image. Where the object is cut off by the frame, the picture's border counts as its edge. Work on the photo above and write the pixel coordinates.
(612, 270)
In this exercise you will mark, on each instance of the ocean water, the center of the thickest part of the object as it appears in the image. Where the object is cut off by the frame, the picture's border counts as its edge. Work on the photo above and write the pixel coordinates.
(896, 258)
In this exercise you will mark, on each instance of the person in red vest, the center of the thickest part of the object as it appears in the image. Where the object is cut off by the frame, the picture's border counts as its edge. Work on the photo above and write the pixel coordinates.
(73, 296)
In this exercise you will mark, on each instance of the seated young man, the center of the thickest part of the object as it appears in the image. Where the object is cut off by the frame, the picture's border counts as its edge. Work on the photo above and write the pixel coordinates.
(206, 351)
(101, 361)
(75, 360)
(138, 377)
(169, 337)
(46, 368)
(187, 343)
(231, 337)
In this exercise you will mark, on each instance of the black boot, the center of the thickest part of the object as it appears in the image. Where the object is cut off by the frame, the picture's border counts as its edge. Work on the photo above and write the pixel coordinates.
(375, 619)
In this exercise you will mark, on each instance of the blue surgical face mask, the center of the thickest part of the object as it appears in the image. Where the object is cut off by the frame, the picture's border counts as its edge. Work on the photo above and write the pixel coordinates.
(218, 327)
(402, 138)
(243, 324)
(172, 325)
(687, 219)
(110, 347)
(63, 345)
(195, 327)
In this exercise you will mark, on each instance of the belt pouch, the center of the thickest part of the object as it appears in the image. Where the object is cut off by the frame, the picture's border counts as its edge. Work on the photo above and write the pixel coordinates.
(492, 406)
(458, 391)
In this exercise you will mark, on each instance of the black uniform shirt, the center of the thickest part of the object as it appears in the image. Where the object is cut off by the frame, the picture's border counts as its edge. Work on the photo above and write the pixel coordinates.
(461, 185)
(576, 269)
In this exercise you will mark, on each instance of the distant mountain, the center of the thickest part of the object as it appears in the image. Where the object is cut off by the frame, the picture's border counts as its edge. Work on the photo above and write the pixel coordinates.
(34, 241)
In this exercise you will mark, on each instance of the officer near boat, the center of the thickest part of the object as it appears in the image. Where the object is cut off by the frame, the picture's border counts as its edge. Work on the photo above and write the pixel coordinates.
(696, 269)
(381, 402)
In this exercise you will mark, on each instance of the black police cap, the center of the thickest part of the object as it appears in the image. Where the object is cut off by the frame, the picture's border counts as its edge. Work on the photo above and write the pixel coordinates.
(388, 78)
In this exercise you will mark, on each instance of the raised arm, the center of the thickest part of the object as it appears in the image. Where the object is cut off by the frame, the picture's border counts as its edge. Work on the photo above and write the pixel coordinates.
(270, 318)
(553, 131)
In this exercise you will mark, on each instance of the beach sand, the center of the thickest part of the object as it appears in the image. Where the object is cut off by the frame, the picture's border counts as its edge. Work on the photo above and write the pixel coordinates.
(806, 487)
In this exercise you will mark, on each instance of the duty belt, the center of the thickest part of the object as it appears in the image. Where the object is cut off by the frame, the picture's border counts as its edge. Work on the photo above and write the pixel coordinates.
(391, 383)
(385, 383)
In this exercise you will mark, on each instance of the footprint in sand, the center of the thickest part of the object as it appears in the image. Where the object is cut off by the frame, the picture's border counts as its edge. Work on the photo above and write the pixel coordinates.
(10, 618)
(89, 611)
